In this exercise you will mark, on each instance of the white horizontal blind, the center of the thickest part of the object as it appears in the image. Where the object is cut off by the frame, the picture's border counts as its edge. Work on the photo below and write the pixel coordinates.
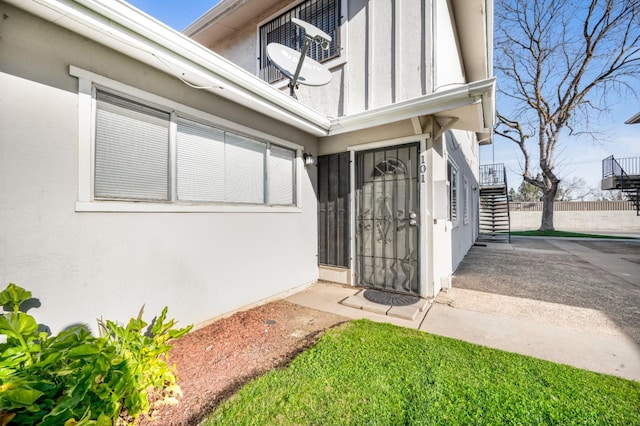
(131, 150)
(281, 175)
(244, 160)
(132, 158)
(200, 162)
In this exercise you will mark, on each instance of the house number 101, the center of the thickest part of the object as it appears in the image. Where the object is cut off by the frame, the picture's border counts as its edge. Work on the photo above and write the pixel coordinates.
(423, 168)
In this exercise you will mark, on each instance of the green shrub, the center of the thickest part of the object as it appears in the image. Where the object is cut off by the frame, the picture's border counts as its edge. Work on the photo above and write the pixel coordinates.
(75, 378)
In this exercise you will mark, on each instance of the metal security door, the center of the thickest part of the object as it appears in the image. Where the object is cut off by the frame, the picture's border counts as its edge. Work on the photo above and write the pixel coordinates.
(387, 214)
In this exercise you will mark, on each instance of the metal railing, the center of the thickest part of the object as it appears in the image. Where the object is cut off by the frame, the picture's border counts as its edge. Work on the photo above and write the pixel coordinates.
(612, 167)
(620, 166)
(493, 174)
(496, 175)
(631, 165)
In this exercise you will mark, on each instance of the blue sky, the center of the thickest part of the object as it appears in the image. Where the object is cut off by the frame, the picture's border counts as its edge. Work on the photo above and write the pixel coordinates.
(178, 14)
(579, 157)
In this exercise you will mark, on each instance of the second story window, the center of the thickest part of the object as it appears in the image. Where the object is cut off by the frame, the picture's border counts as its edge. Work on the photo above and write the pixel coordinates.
(324, 14)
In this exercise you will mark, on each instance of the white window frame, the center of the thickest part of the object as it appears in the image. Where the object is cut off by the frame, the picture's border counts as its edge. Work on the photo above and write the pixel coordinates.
(465, 200)
(87, 84)
(331, 64)
(453, 192)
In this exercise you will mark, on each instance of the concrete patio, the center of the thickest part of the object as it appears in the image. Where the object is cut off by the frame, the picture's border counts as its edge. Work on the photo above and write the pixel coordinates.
(575, 302)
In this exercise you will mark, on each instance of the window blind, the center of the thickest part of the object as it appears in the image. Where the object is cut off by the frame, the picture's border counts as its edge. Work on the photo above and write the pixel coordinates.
(200, 162)
(244, 160)
(131, 150)
(281, 175)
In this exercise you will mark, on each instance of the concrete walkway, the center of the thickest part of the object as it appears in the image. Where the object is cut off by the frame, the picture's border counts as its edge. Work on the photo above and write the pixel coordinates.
(571, 302)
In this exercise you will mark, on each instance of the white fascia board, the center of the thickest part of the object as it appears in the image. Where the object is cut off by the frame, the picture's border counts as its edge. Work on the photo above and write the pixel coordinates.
(123, 28)
(479, 92)
(221, 9)
(634, 120)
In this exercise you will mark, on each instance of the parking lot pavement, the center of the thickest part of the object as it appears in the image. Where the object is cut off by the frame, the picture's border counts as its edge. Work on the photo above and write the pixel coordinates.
(574, 302)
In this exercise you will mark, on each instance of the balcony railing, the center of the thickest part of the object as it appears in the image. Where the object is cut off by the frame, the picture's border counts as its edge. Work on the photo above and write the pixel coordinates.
(620, 166)
(492, 174)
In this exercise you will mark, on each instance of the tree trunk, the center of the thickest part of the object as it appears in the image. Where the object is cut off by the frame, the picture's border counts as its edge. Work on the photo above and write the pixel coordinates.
(548, 198)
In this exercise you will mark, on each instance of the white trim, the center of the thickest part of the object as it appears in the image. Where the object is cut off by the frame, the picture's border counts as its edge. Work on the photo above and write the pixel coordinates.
(123, 28)
(424, 225)
(635, 119)
(397, 48)
(173, 154)
(151, 207)
(352, 218)
(434, 103)
(465, 196)
(454, 223)
(85, 143)
(388, 142)
(182, 109)
(300, 168)
(421, 190)
(88, 82)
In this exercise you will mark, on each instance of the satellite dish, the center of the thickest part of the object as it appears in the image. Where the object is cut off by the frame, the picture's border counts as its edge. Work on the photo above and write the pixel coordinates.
(286, 60)
(296, 65)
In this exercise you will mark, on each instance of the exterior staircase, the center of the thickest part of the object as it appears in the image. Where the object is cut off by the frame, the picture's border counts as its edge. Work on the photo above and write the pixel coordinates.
(495, 224)
(622, 174)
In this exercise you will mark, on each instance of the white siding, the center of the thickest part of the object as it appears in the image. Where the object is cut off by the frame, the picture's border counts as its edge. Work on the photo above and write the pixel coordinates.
(448, 63)
(387, 54)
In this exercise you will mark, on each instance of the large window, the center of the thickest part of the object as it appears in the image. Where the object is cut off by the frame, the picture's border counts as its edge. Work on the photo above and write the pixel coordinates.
(452, 179)
(324, 14)
(144, 153)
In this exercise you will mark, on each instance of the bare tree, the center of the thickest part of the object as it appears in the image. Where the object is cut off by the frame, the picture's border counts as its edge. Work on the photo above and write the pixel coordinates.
(557, 61)
(574, 189)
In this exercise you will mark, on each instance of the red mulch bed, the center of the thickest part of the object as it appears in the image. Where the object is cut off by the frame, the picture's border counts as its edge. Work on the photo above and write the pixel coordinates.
(214, 362)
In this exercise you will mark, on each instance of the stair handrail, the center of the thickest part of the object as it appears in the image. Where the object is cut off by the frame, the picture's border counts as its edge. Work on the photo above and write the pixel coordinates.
(611, 167)
(504, 171)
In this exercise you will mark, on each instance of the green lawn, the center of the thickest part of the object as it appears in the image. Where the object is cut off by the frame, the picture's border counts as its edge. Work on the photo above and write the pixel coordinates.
(564, 234)
(365, 373)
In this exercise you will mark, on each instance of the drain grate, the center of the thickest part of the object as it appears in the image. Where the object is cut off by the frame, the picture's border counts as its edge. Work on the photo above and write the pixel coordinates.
(386, 298)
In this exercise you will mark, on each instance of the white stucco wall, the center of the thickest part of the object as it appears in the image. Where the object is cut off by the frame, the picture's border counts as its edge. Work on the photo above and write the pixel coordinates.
(464, 232)
(84, 265)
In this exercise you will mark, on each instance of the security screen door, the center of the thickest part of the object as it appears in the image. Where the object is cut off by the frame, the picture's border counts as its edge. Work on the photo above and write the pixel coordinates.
(387, 215)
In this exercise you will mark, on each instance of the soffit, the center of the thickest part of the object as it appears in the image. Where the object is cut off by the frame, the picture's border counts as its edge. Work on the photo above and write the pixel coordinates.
(228, 17)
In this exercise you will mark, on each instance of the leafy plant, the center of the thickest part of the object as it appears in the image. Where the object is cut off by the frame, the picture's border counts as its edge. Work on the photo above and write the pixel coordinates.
(75, 378)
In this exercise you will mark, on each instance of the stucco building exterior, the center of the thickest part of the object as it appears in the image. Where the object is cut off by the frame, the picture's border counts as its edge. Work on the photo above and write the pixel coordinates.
(143, 166)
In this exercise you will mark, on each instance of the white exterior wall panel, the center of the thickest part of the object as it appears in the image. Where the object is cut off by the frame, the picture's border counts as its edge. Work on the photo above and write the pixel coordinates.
(410, 47)
(84, 265)
(448, 67)
(357, 73)
(386, 55)
(464, 232)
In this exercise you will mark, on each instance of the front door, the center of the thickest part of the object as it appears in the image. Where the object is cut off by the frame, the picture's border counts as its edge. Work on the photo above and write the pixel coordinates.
(387, 215)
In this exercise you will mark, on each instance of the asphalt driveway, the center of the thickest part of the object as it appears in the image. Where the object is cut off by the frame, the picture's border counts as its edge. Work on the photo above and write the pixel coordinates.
(570, 301)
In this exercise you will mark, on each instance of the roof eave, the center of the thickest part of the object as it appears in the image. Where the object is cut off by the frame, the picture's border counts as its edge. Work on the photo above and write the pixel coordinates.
(450, 102)
(135, 34)
(634, 120)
